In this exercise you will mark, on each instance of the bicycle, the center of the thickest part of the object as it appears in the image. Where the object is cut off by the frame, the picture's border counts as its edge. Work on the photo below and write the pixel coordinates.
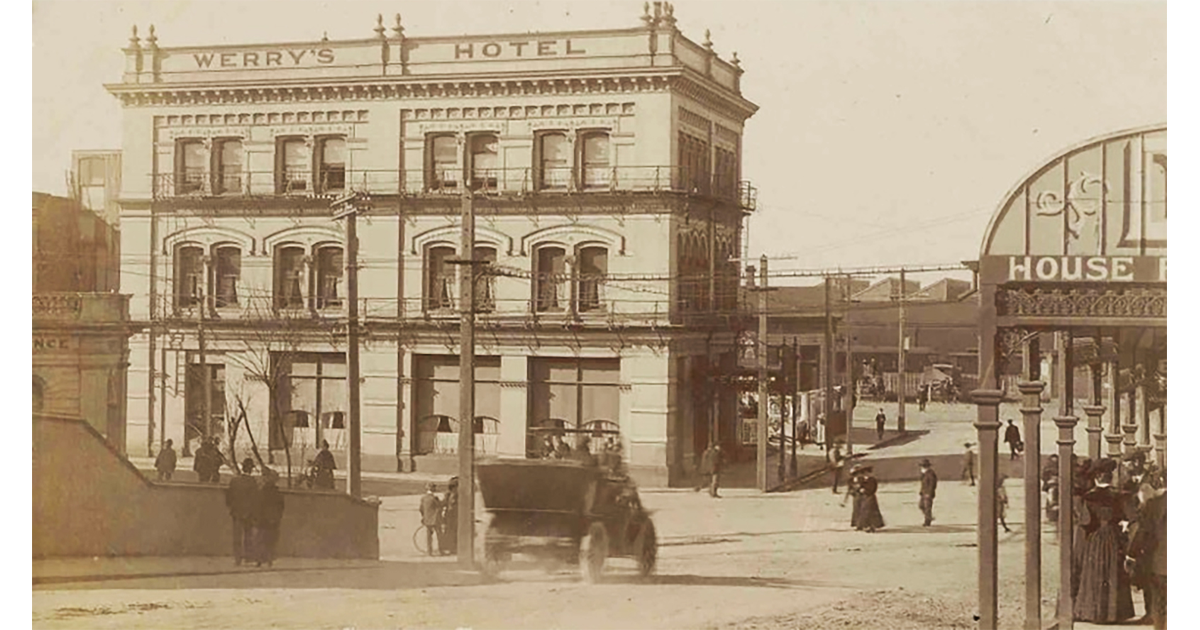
(419, 541)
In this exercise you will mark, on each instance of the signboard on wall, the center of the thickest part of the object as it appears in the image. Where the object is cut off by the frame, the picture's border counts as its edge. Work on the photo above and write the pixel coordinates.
(1072, 269)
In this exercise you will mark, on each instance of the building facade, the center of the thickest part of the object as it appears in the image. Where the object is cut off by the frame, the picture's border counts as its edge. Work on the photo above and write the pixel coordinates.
(604, 172)
(80, 335)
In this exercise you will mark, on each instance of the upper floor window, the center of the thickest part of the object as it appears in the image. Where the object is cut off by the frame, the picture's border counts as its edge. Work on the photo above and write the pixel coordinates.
(292, 172)
(331, 156)
(228, 178)
(190, 166)
(555, 160)
(550, 286)
(725, 172)
(596, 171)
(439, 278)
(485, 160)
(485, 285)
(189, 276)
(289, 277)
(593, 267)
(443, 163)
(92, 171)
(227, 269)
(329, 277)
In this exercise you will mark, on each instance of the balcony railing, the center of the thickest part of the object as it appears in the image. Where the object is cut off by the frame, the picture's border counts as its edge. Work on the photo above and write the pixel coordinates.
(518, 181)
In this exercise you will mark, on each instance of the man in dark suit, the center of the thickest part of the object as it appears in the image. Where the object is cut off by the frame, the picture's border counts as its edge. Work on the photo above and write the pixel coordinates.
(928, 490)
(431, 518)
(1146, 558)
(880, 423)
(1012, 437)
(241, 497)
(710, 465)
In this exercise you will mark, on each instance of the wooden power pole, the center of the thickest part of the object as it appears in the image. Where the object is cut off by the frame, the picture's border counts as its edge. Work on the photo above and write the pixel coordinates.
(347, 207)
(902, 358)
(466, 375)
(764, 391)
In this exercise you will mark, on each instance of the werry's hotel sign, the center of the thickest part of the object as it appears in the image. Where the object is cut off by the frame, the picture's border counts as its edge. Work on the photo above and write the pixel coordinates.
(307, 57)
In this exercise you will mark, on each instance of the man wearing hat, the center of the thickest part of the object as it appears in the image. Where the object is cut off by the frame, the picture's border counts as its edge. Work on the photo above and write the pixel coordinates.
(449, 536)
(836, 462)
(270, 516)
(241, 497)
(928, 490)
(431, 515)
(968, 472)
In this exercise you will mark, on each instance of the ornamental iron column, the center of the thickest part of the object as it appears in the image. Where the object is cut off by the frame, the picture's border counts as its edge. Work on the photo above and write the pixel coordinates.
(1031, 410)
(987, 424)
(1095, 414)
(1130, 427)
(1112, 379)
(1066, 519)
(1160, 438)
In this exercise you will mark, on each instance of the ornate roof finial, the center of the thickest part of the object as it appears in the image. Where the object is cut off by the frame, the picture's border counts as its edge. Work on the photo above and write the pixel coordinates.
(737, 63)
(324, 36)
(379, 29)
(398, 29)
(708, 40)
(657, 11)
(152, 39)
(133, 39)
(646, 19)
(669, 13)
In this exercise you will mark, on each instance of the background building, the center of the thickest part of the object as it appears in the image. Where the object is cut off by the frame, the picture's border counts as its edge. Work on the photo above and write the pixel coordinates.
(604, 169)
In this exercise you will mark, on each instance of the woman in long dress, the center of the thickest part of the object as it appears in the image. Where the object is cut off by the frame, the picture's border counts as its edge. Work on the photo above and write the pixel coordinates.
(852, 493)
(869, 516)
(1104, 594)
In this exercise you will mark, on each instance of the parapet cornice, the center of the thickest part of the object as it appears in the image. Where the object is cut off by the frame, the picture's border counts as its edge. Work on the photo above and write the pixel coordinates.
(633, 81)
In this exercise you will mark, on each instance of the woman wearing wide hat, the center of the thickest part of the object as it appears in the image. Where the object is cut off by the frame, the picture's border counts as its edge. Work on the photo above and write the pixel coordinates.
(869, 516)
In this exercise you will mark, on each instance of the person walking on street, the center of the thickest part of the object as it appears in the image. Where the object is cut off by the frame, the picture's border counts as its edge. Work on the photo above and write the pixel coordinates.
(431, 517)
(165, 462)
(448, 539)
(241, 497)
(880, 423)
(710, 470)
(869, 516)
(324, 465)
(208, 461)
(968, 470)
(853, 487)
(269, 518)
(1104, 595)
(1002, 503)
(922, 396)
(836, 462)
(1146, 558)
(928, 490)
(1012, 437)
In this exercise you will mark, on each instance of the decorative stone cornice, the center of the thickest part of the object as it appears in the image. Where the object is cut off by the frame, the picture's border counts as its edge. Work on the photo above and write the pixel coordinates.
(674, 78)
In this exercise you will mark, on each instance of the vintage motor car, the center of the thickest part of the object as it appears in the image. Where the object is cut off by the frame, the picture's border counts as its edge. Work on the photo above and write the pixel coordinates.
(564, 510)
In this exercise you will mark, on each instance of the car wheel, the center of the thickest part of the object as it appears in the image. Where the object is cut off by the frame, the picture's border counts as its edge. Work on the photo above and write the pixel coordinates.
(646, 548)
(593, 551)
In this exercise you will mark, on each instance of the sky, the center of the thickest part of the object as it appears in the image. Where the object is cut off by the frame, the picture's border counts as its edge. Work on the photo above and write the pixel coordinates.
(888, 132)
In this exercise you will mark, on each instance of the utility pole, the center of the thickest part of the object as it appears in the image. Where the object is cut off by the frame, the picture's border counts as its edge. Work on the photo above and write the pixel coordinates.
(466, 375)
(902, 359)
(848, 403)
(347, 207)
(827, 371)
(206, 374)
(763, 390)
(793, 387)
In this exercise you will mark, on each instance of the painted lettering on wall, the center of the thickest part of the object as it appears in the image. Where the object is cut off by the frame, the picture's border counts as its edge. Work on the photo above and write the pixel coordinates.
(264, 58)
(539, 48)
(1085, 269)
(51, 343)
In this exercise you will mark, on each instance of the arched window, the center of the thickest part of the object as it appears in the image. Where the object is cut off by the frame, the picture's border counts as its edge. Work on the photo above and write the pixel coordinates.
(485, 161)
(593, 267)
(329, 277)
(596, 171)
(485, 285)
(555, 157)
(289, 277)
(442, 162)
(550, 279)
(439, 278)
(227, 270)
(189, 276)
(228, 174)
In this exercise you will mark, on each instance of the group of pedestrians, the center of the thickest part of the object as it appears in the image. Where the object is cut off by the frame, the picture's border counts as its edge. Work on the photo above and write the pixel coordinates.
(1119, 540)
(256, 507)
(440, 518)
(862, 486)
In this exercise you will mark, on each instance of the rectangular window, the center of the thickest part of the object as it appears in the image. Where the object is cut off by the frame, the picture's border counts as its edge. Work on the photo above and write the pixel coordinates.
(555, 156)
(92, 171)
(189, 276)
(333, 164)
(550, 279)
(309, 399)
(444, 168)
(292, 165)
(329, 277)
(596, 169)
(227, 269)
(190, 166)
(485, 161)
(289, 278)
(572, 393)
(229, 167)
(193, 395)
